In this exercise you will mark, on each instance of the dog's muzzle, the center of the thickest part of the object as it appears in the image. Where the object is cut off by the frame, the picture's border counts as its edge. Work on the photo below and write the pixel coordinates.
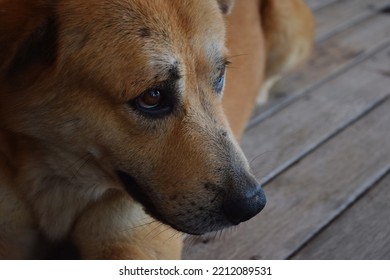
(239, 199)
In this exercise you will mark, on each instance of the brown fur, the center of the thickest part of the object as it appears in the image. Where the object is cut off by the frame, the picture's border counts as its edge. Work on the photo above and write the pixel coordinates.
(289, 33)
(68, 70)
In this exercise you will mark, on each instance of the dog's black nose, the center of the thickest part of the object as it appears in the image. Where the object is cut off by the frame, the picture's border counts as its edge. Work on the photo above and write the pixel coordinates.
(240, 207)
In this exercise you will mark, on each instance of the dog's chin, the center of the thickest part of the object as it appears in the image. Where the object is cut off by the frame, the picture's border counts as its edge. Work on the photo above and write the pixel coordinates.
(136, 191)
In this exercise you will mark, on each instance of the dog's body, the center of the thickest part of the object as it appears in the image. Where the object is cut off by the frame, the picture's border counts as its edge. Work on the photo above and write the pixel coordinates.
(102, 99)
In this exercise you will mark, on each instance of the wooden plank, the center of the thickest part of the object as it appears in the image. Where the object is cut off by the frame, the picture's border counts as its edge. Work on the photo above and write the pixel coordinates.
(319, 4)
(316, 188)
(343, 14)
(362, 232)
(331, 57)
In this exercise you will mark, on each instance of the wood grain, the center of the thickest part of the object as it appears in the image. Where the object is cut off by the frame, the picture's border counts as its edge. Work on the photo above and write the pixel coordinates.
(362, 233)
(335, 55)
(344, 14)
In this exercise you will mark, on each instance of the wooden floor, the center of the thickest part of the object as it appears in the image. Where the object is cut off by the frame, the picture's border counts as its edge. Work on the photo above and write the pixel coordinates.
(322, 149)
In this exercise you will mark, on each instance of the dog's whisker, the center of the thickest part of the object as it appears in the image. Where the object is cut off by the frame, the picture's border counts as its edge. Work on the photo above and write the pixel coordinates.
(153, 230)
(161, 232)
(261, 172)
(77, 166)
(232, 68)
(189, 241)
(263, 167)
(173, 236)
(88, 158)
(71, 166)
(139, 226)
(261, 155)
(236, 55)
(214, 236)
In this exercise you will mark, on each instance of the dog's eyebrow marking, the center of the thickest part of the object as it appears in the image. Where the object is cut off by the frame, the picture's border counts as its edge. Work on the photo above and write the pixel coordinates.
(174, 71)
(144, 32)
(170, 72)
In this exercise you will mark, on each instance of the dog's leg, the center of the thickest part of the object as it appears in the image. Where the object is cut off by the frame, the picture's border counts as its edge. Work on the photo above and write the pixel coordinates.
(117, 228)
(289, 31)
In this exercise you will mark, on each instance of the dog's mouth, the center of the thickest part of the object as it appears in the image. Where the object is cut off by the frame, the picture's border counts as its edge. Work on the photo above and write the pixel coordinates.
(136, 191)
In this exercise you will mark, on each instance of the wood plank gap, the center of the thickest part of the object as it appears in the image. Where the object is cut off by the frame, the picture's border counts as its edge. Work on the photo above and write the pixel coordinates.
(301, 93)
(369, 185)
(373, 9)
(293, 161)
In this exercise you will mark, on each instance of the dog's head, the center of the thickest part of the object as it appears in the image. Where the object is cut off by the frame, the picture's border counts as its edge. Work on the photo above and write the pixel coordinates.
(137, 85)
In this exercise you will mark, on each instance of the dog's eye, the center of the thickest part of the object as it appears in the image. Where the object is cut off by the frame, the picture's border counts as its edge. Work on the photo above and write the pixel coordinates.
(150, 99)
(153, 102)
(220, 81)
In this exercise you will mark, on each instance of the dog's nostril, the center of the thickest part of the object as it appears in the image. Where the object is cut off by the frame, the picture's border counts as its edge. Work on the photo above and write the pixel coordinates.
(238, 209)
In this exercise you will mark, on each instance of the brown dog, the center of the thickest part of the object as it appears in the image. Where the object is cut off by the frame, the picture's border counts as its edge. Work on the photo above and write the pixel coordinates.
(109, 109)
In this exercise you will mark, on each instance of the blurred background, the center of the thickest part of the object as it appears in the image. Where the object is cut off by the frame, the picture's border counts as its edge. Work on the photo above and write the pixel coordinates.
(321, 146)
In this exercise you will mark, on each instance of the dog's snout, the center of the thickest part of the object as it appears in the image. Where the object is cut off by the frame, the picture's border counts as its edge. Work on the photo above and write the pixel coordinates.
(240, 207)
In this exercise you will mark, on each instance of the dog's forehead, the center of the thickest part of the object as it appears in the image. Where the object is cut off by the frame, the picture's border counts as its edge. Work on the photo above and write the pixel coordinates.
(170, 22)
(163, 21)
(143, 38)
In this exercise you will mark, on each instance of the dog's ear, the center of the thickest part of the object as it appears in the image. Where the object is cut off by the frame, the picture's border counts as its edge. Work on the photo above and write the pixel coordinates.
(225, 6)
(28, 40)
